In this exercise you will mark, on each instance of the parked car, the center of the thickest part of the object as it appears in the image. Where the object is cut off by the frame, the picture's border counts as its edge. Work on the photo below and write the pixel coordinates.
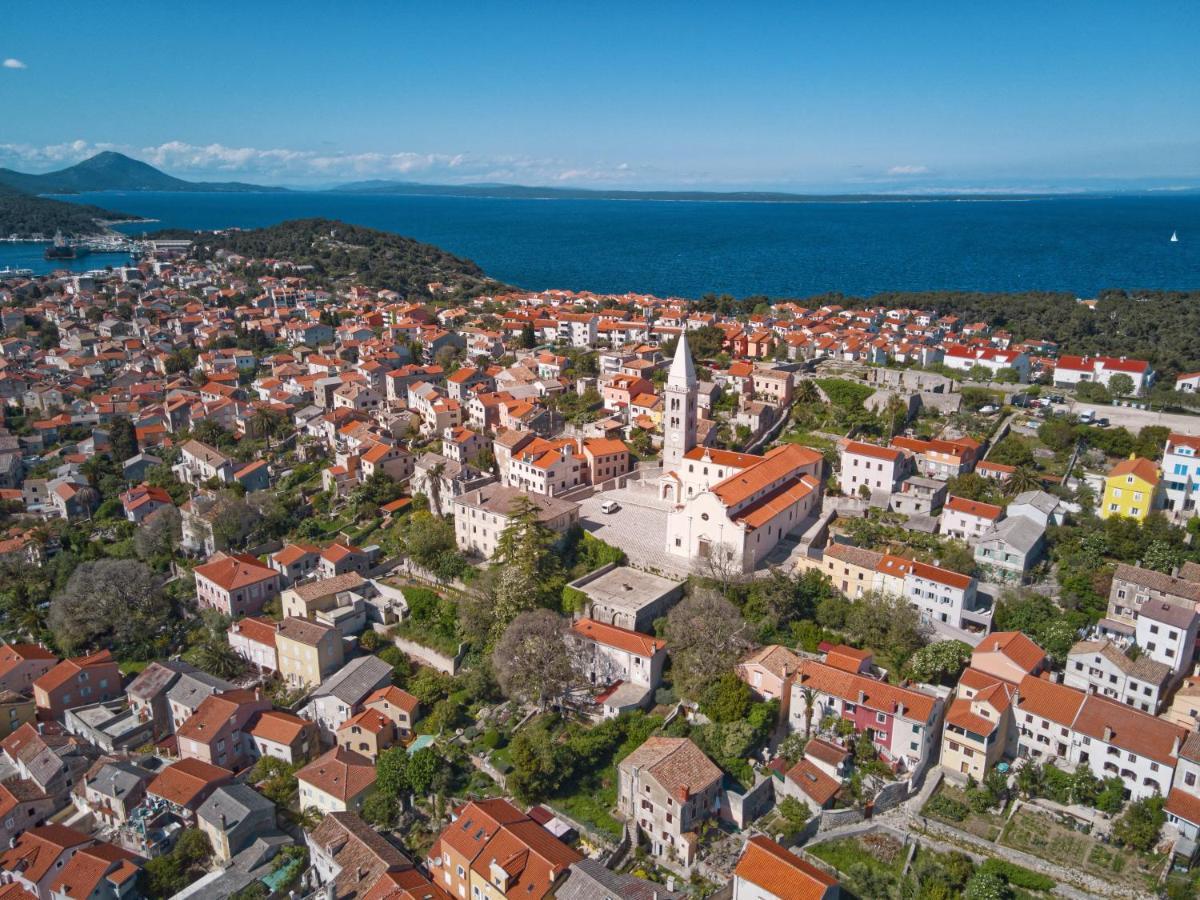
(609, 506)
(988, 410)
(1087, 417)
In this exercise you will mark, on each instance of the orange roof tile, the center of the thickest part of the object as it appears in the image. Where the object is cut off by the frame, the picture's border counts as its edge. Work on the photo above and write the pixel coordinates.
(781, 873)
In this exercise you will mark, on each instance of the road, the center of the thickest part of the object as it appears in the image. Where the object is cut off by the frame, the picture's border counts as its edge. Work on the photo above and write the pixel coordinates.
(1137, 419)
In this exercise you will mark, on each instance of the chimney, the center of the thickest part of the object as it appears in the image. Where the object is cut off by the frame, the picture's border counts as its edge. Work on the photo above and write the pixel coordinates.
(862, 696)
(1175, 745)
(1108, 734)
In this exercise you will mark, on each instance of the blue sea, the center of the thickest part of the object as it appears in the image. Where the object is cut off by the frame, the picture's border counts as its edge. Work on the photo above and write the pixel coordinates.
(683, 248)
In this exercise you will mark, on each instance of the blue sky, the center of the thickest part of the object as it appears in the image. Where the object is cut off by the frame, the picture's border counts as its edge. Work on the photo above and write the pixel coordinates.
(807, 96)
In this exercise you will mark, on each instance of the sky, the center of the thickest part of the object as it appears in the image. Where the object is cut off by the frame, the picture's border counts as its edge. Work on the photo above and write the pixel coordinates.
(810, 96)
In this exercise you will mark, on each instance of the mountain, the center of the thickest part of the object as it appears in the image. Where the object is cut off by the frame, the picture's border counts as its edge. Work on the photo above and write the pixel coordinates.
(24, 215)
(338, 251)
(109, 171)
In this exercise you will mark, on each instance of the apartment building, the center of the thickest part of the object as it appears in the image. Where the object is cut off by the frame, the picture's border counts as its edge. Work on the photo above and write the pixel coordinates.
(481, 515)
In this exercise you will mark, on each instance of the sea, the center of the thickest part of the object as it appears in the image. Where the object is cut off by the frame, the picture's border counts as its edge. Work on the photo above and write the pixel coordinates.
(1077, 244)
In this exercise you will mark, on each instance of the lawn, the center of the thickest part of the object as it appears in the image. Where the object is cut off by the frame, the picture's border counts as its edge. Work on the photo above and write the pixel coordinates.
(592, 808)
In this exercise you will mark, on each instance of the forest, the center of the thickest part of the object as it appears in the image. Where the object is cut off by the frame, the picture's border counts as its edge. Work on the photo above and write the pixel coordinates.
(23, 214)
(337, 250)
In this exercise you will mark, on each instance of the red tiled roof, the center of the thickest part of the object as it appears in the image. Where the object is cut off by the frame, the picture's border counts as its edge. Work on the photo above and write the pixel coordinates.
(621, 638)
(781, 873)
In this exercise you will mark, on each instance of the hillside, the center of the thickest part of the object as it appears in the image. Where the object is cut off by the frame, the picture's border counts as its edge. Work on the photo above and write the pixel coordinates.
(110, 171)
(338, 251)
(23, 215)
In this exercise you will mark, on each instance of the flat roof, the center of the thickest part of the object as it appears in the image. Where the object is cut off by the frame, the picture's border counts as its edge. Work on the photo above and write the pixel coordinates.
(627, 588)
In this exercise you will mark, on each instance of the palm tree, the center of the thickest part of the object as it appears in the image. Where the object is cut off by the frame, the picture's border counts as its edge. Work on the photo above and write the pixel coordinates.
(1023, 479)
(806, 392)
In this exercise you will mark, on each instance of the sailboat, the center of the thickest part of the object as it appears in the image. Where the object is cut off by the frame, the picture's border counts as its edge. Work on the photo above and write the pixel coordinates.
(1174, 237)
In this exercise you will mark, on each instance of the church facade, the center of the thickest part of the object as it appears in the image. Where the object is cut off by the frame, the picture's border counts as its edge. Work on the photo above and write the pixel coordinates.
(729, 510)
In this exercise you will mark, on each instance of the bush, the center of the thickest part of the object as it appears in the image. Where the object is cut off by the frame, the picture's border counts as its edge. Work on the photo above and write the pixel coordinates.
(944, 807)
(1018, 876)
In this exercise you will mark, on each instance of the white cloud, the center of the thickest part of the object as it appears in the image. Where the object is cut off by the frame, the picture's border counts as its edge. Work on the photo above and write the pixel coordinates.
(908, 170)
(12, 63)
(279, 164)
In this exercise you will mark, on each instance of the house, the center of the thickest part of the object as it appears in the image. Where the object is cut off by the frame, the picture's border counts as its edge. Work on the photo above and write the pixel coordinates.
(353, 861)
(767, 871)
(37, 858)
(217, 732)
(23, 664)
(1181, 475)
(626, 597)
(234, 816)
(339, 559)
(344, 693)
(369, 733)
(183, 786)
(112, 789)
(769, 671)
(144, 500)
(400, 706)
(968, 520)
(626, 665)
(901, 722)
(940, 459)
(307, 652)
(235, 585)
(851, 569)
(979, 730)
(1103, 667)
(102, 870)
(492, 850)
(191, 688)
(282, 735)
(77, 682)
(304, 601)
(1183, 802)
(15, 710)
(589, 879)
(481, 515)
(337, 781)
(295, 562)
(1169, 601)
(666, 788)
(254, 641)
(1011, 547)
(198, 463)
(1008, 656)
(943, 595)
(1131, 489)
(870, 466)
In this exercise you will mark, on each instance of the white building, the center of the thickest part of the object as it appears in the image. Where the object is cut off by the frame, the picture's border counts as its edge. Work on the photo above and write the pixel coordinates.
(878, 468)
(679, 407)
(1181, 475)
(968, 520)
(1101, 666)
(626, 665)
(481, 515)
(942, 595)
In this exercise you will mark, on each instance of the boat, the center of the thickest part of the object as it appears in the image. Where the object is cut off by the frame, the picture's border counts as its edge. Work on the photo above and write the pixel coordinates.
(1174, 237)
(10, 272)
(61, 248)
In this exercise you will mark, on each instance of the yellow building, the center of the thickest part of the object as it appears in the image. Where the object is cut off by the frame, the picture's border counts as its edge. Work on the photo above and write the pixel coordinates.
(1131, 489)
(15, 710)
(307, 652)
(979, 728)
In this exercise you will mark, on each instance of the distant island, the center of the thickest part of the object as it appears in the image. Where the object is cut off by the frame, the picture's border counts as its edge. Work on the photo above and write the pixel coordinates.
(109, 171)
(338, 251)
(25, 215)
(525, 192)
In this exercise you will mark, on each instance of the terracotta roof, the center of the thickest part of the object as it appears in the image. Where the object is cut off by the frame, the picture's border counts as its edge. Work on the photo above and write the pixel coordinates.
(82, 874)
(846, 658)
(183, 781)
(974, 508)
(1161, 582)
(532, 857)
(327, 587)
(677, 764)
(813, 781)
(37, 850)
(293, 553)
(1139, 467)
(764, 509)
(475, 823)
(824, 751)
(1184, 805)
(877, 695)
(303, 631)
(774, 658)
(214, 712)
(1131, 729)
(403, 884)
(779, 463)
(361, 854)
(1047, 700)
(341, 773)
(371, 720)
(861, 448)
(391, 695)
(261, 631)
(232, 572)
(69, 668)
(621, 638)
(940, 575)
(280, 727)
(781, 873)
(1014, 646)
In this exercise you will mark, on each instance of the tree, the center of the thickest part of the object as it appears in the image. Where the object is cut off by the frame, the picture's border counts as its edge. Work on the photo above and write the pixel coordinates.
(1121, 385)
(113, 603)
(530, 573)
(1012, 451)
(541, 763)
(124, 440)
(707, 636)
(1141, 823)
(1024, 478)
(168, 874)
(528, 337)
(158, 534)
(391, 772)
(727, 699)
(939, 662)
(531, 660)
(887, 624)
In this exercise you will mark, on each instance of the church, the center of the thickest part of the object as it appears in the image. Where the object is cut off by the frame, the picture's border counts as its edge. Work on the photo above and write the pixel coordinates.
(729, 508)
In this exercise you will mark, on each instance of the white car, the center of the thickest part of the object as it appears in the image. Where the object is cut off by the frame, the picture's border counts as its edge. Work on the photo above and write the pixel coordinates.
(988, 410)
(609, 506)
